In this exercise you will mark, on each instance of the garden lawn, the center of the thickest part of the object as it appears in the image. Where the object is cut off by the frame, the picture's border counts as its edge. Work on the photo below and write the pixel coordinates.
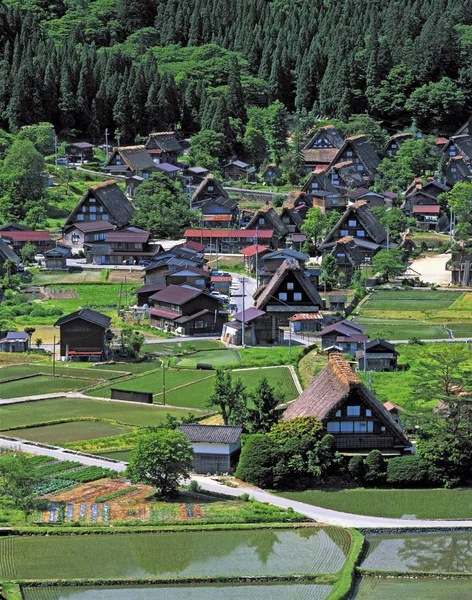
(68, 432)
(41, 384)
(270, 356)
(216, 358)
(29, 413)
(424, 504)
(153, 382)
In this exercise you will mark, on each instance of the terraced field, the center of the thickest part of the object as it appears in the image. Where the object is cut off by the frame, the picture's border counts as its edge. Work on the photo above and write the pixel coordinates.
(81, 372)
(411, 300)
(206, 553)
(401, 329)
(40, 384)
(196, 592)
(68, 432)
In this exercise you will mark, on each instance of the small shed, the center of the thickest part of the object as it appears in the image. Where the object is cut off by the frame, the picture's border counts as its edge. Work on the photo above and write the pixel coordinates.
(56, 258)
(302, 322)
(84, 335)
(394, 410)
(14, 341)
(380, 355)
(337, 303)
(271, 174)
(216, 448)
(260, 327)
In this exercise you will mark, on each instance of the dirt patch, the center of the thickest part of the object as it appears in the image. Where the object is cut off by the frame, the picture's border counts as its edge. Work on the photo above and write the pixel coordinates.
(119, 276)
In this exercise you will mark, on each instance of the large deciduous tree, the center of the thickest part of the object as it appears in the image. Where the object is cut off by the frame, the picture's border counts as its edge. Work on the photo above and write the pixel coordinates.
(17, 481)
(161, 459)
(388, 263)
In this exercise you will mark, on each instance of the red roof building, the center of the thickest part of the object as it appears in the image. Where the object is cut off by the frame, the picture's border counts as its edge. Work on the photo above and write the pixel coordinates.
(228, 240)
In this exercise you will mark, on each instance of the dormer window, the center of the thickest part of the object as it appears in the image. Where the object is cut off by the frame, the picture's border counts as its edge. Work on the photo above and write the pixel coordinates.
(210, 188)
(349, 153)
(314, 185)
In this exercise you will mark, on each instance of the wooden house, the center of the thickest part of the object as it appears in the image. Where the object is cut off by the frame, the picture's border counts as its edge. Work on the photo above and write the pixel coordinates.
(196, 174)
(407, 244)
(14, 341)
(349, 411)
(132, 184)
(260, 327)
(56, 258)
(337, 303)
(79, 152)
(306, 322)
(209, 188)
(271, 174)
(221, 284)
(394, 143)
(18, 239)
(274, 260)
(292, 219)
(148, 290)
(298, 201)
(465, 128)
(423, 207)
(323, 193)
(177, 258)
(193, 276)
(460, 266)
(322, 147)
(14, 227)
(458, 145)
(129, 246)
(458, 170)
(164, 147)
(359, 151)
(6, 253)
(84, 336)
(253, 254)
(130, 160)
(80, 233)
(344, 175)
(172, 171)
(216, 448)
(267, 218)
(377, 355)
(296, 241)
(346, 336)
(219, 212)
(186, 311)
(230, 240)
(348, 256)
(369, 197)
(237, 170)
(359, 223)
(289, 292)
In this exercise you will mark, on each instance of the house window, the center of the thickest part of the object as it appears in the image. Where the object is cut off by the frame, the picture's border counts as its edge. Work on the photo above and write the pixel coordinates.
(101, 209)
(394, 145)
(80, 217)
(360, 426)
(344, 232)
(453, 169)
(91, 200)
(335, 180)
(105, 217)
(84, 209)
(210, 188)
(382, 429)
(338, 413)
(341, 254)
(360, 167)
(261, 221)
(360, 233)
(290, 285)
(118, 160)
(353, 223)
(349, 153)
(368, 412)
(333, 427)
(314, 185)
(297, 297)
(283, 296)
(200, 324)
(370, 426)
(353, 411)
(93, 209)
(75, 238)
(347, 427)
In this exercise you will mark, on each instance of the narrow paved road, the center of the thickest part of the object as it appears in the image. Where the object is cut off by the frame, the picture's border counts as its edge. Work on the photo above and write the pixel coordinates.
(316, 513)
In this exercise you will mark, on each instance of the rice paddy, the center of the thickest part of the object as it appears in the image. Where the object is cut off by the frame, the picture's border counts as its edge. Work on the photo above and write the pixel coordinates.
(40, 384)
(195, 592)
(61, 433)
(416, 300)
(178, 554)
(216, 358)
(371, 588)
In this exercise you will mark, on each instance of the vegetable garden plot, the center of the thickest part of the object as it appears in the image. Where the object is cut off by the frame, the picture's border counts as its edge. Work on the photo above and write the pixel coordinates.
(69, 432)
(207, 553)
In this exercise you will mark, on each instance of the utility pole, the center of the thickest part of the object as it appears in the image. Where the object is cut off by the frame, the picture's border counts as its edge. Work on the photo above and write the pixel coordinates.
(106, 144)
(243, 281)
(164, 380)
(216, 250)
(54, 358)
(365, 361)
(388, 238)
(257, 257)
(55, 148)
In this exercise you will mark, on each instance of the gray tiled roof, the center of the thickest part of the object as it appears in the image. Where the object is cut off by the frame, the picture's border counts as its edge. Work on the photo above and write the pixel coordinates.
(212, 434)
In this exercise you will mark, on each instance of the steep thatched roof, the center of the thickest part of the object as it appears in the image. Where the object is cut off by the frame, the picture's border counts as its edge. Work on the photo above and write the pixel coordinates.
(366, 217)
(115, 203)
(272, 221)
(351, 251)
(322, 183)
(289, 266)
(331, 388)
(296, 198)
(165, 141)
(362, 148)
(202, 192)
(136, 158)
(463, 145)
(348, 175)
(324, 153)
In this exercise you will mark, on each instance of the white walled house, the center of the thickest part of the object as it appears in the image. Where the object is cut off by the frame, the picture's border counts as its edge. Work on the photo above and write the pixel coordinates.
(216, 448)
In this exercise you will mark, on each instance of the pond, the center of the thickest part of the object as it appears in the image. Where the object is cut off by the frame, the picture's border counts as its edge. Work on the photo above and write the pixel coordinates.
(308, 550)
(370, 588)
(446, 552)
(199, 592)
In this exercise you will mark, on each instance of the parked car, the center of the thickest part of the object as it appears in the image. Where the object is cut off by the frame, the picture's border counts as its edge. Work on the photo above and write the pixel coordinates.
(221, 297)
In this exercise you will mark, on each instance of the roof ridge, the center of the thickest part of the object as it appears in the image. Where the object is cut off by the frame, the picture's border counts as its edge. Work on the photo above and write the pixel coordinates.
(343, 370)
(102, 184)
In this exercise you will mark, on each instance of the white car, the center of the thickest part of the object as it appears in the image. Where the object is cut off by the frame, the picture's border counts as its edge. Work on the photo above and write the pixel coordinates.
(221, 297)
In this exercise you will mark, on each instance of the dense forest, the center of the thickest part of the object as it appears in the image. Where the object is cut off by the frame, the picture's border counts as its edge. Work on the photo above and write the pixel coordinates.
(138, 65)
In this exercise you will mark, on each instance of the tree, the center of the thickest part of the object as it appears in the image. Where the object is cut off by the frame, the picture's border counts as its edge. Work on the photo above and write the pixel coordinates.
(375, 467)
(255, 144)
(459, 199)
(235, 96)
(28, 252)
(388, 262)
(329, 271)
(131, 341)
(38, 342)
(229, 398)
(41, 135)
(297, 428)
(257, 461)
(208, 149)
(161, 459)
(392, 219)
(356, 467)
(10, 268)
(264, 415)
(162, 208)
(275, 129)
(17, 481)
(29, 331)
(314, 226)
(445, 440)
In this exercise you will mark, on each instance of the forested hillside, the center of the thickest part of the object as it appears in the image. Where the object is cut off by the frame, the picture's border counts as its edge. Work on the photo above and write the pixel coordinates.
(140, 65)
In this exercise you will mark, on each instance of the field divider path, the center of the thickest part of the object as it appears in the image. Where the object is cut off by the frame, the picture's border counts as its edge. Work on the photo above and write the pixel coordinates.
(321, 515)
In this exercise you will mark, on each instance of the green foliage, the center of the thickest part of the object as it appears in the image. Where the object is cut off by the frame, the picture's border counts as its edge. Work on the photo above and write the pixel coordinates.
(162, 208)
(388, 263)
(28, 252)
(314, 226)
(407, 471)
(208, 149)
(392, 219)
(356, 467)
(88, 474)
(41, 135)
(265, 400)
(257, 460)
(229, 398)
(116, 494)
(298, 428)
(161, 458)
(18, 479)
(375, 467)
(131, 341)
(459, 200)
(329, 271)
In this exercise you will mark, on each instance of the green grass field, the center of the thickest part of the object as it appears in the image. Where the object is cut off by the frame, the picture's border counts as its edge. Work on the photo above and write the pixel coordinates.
(53, 277)
(104, 295)
(216, 358)
(68, 432)
(171, 347)
(424, 504)
(411, 300)
(401, 329)
(41, 384)
(30, 369)
(135, 368)
(29, 413)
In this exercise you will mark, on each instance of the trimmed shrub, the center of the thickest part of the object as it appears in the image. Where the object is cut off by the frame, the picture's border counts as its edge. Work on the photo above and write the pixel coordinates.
(356, 467)
(375, 467)
(407, 471)
(257, 461)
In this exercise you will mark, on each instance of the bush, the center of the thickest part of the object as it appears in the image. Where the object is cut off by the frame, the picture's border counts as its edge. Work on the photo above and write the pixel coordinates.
(356, 467)
(407, 470)
(375, 467)
(257, 461)
(194, 486)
